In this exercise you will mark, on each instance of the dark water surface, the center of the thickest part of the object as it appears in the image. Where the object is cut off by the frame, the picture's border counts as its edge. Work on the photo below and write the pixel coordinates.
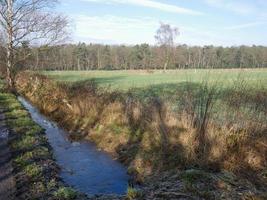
(83, 166)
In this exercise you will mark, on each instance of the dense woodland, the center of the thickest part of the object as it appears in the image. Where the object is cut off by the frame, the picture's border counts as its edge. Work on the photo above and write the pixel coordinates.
(106, 57)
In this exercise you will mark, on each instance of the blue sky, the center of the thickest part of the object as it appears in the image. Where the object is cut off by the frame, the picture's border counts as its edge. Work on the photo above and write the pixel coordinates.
(200, 22)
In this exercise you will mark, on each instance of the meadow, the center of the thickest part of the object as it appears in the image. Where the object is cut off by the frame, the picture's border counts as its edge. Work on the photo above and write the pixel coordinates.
(125, 80)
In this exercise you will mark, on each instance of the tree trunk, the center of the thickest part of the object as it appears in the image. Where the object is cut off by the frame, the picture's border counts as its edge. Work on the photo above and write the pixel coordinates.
(9, 76)
(10, 52)
(98, 60)
(78, 64)
(37, 60)
(167, 61)
(165, 66)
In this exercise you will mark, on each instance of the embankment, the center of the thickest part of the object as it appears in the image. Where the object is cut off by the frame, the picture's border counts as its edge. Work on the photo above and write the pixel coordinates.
(150, 136)
(34, 171)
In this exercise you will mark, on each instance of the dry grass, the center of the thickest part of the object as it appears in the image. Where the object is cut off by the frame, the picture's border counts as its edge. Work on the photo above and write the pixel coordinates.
(209, 127)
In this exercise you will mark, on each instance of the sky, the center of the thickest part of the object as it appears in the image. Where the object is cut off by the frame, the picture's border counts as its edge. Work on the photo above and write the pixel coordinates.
(200, 22)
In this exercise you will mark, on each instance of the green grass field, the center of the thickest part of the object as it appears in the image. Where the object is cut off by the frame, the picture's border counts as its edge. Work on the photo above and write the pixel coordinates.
(246, 88)
(124, 80)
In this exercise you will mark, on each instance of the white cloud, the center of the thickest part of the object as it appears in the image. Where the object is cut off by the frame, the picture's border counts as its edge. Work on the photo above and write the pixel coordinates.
(151, 4)
(116, 29)
(244, 26)
(201, 36)
(109, 29)
(236, 6)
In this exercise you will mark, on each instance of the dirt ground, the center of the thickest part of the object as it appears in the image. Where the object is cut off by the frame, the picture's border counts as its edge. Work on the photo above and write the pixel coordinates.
(7, 181)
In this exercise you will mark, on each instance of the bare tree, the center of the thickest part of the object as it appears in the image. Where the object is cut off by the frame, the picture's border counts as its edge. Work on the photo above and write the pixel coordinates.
(32, 21)
(165, 37)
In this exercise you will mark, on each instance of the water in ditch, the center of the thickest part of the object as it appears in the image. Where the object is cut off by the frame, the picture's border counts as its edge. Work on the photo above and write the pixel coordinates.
(85, 168)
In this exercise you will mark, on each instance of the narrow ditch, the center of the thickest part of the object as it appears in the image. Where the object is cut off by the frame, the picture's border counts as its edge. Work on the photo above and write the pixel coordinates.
(85, 168)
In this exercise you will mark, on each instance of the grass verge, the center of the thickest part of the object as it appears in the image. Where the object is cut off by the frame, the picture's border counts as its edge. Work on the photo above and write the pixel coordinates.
(35, 171)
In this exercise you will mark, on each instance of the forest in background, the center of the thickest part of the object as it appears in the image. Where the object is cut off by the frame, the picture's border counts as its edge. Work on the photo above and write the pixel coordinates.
(117, 57)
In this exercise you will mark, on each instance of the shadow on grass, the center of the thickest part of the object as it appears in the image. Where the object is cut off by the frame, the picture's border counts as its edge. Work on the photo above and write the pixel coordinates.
(68, 79)
(199, 104)
(147, 115)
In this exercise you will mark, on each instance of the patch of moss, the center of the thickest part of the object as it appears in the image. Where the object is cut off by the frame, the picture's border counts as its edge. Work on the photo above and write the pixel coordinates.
(23, 160)
(21, 122)
(133, 193)
(52, 184)
(33, 171)
(38, 188)
(17, 113)
(34, 130)
(115, 128)
(26, 158)
(26, 142)
(65, 193)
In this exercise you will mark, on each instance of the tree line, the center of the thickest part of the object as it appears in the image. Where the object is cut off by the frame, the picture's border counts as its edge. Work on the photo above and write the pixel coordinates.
(120, 57)
(32, 36)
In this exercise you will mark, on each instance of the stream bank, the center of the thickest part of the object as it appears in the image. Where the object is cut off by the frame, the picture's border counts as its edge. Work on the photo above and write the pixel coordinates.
(82, 166)
(33, 167)
(32, 164)
(7, 180)
(138, 133)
